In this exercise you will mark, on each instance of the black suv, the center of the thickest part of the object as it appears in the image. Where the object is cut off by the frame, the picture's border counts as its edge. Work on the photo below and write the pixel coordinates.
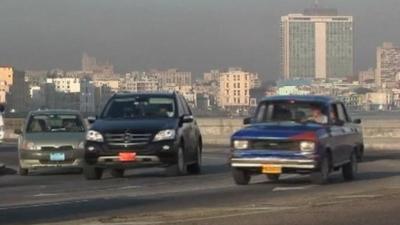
(143, 130)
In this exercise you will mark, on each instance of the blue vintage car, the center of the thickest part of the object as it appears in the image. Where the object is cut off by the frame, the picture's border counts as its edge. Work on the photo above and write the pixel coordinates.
(297, 134)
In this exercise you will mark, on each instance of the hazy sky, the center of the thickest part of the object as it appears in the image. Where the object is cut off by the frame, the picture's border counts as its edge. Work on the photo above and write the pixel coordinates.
(195, 35)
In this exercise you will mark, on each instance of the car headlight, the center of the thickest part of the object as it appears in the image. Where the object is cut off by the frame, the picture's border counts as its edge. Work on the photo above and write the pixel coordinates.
(307, 146)
(28, 145)
(240, 144)
(165, 135)
(93, 135)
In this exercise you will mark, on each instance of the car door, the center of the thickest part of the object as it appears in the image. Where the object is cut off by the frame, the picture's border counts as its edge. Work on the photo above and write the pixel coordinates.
(351, 133)
(185, 129)
(336, 135)
(192, 129)
(345, 138)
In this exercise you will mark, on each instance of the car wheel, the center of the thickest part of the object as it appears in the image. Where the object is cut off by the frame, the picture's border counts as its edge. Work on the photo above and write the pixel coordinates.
(195, 168)
(23, 172)
(273, 177)
(92, 173)
(179, 168)
(240, 176)
(117, 173)
(321, 176)
(360, 154)
(350, 169)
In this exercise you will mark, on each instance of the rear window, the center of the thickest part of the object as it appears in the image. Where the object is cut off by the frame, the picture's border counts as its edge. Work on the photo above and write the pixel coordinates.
(140, 107)
(55, 123)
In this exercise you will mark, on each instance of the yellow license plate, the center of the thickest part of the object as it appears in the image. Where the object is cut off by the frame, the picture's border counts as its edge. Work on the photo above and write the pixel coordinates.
(271, 169)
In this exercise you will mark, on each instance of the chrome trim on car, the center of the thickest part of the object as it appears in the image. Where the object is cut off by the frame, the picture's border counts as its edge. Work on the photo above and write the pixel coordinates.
(138, 159)
(285, 163)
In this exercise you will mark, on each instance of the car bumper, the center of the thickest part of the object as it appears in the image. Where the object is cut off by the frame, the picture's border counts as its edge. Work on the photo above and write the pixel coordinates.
(151, 155)
(290, 160)
(41, 159)
(284, 163)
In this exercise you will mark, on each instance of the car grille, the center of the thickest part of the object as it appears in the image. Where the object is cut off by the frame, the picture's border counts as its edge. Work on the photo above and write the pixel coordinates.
(127, 139)
(275, 145)
(60, 148)
(46, 161)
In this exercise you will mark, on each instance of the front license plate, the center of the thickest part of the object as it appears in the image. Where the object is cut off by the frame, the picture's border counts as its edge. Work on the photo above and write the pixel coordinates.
(271, 169)
(127, 156)
(57, 156)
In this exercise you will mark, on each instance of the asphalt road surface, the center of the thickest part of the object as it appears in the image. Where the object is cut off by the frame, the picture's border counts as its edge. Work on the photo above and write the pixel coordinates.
(148, 197)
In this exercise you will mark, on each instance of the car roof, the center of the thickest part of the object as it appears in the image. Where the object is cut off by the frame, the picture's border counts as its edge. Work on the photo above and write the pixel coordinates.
(145, 93)
(55, 111)
(307, 98)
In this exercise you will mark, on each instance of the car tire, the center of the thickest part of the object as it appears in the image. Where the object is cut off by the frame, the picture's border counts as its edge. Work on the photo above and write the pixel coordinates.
(179, 168)
(321, 176)
(195, 168)
(240, 176)
(360, 153)
(117, 173)
(349, 170)
(273, 177)
(23, 171)
(92, 173)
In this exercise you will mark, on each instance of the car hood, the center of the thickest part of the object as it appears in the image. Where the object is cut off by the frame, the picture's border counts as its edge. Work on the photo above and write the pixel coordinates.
(59, 138)
(275, 130)
(134, 125)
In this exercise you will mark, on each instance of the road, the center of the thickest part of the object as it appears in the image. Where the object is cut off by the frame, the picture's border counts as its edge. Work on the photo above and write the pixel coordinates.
(149, 197)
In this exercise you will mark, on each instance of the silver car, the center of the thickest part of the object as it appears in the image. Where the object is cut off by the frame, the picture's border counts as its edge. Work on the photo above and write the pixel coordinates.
(51, 138)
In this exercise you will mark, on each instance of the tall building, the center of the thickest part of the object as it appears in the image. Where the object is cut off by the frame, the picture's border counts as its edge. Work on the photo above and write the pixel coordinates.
(317, 44)
(87, 97)
(18, 96)
(172, 77)
(92, 65)
(138, 82)
(6, 81)
(66, 84)
(387, 65)
(88, 63)
(234, 88)
(213, 75)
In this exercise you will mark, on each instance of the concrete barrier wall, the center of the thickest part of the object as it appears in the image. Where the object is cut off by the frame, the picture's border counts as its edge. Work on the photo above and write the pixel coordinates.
(378, 134)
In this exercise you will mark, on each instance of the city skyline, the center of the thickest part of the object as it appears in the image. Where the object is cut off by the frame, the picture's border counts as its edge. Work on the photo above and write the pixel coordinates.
(46, 35)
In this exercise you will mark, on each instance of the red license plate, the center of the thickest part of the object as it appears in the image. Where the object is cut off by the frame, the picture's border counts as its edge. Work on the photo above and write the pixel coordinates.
(127, 156)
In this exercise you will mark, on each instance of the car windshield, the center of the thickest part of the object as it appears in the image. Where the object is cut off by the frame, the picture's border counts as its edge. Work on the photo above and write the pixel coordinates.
(139, 107)
(55, 123)
(292, 111)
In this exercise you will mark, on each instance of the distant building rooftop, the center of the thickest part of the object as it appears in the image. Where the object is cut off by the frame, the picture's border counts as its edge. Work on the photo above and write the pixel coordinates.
(320, 12)
(294, 82)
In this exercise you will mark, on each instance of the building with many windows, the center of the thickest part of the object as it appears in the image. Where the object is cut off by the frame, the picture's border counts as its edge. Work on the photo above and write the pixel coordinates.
(317, 44)
(139, 81)
(387, 65)
(172, 77)
(66, 84)
(234, 88)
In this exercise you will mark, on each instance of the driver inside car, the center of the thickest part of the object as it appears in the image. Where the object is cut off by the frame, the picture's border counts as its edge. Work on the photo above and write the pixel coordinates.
(317, 115)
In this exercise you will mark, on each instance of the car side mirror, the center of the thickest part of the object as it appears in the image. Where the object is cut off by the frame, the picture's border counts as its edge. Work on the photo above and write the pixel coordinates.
(339, 123)
(247, 120)
(91, 119)
(187, 119)
(18, 131)
(357, 121)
